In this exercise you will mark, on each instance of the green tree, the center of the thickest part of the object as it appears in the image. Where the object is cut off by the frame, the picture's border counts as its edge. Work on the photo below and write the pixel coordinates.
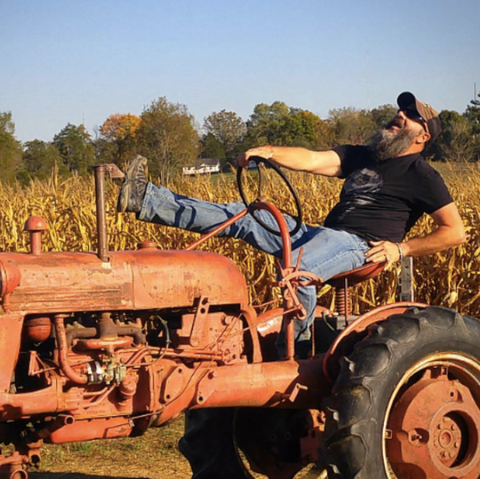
(279, 124)
(351, 126)
(167, 137)
(383, 114)
(455, 142)
(472, 114)
(76, 148)
(10, 148)
(266, 124)
(212, 148)
(228, 129)
(304, 128)
(106, 151)
(118, 143)
(40, 159)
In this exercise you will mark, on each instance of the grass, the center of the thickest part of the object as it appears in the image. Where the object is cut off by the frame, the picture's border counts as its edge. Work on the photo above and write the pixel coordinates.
(154, 455)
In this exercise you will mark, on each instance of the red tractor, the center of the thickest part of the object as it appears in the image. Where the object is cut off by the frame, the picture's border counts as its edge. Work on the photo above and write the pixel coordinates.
(107, 344)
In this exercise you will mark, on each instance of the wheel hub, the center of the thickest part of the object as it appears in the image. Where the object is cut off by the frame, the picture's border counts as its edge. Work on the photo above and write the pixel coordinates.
(434, 428)
(447, 440)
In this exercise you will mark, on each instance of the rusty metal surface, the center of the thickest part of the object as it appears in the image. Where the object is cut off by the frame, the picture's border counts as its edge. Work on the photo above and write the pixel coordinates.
(271, 384)
(48, 400)
(10, 277)
(357, 275)
(250, 316)
(283, 229)
(101, 213)
(143, 279)
(268, 328)
(86, 430)
(36, 329)
(114, 172)
(10, 336)
(61, 336)
(434, 427)
(216, 230)
(35, 225)
(164, 387)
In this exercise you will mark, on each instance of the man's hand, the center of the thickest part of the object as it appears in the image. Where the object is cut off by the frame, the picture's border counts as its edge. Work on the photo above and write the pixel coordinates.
(382, 252)
(263, 151)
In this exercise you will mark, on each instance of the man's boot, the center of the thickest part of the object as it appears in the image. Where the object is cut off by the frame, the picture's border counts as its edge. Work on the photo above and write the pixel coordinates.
(133, 188)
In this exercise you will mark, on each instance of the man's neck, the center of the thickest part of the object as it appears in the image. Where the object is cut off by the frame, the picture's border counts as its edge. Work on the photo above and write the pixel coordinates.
(411, 150)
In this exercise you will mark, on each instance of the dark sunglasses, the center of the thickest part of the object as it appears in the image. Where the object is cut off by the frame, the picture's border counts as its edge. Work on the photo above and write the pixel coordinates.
(415, 116)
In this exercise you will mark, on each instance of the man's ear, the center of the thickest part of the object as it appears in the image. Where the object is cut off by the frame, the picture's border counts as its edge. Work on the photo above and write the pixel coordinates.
(423, 138)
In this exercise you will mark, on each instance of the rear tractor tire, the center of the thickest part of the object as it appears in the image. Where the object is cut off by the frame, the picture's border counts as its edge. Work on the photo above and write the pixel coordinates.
(406, 403)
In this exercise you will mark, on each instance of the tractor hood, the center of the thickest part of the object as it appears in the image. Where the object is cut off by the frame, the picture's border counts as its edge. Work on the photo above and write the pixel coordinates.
(130, 280)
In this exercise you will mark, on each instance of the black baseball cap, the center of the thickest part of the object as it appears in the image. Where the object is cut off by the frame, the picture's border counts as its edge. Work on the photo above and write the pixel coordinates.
(407, 101)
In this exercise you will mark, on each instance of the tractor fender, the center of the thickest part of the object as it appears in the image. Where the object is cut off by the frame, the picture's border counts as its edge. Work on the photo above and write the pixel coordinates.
(353, 333)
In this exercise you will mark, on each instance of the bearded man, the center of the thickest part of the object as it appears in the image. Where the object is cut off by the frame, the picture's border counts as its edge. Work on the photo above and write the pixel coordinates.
(388, 187)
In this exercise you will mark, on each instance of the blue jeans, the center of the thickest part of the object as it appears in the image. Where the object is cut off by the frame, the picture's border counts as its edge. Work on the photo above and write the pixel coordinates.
(326, 252)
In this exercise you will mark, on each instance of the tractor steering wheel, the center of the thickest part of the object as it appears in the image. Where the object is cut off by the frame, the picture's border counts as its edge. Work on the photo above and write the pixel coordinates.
(255, 212)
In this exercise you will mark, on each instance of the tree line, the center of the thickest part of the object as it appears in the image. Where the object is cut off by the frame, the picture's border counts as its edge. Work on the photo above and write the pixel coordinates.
(167, 134)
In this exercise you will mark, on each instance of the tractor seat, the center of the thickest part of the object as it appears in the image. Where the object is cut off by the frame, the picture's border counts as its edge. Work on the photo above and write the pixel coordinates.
(341, 283)
(357, 275)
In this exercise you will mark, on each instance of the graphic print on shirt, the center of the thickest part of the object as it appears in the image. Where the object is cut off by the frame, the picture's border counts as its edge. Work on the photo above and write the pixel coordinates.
(360, 188)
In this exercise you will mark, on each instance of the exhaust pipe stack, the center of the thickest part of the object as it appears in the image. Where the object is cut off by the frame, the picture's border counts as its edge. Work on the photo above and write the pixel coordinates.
(100, 171)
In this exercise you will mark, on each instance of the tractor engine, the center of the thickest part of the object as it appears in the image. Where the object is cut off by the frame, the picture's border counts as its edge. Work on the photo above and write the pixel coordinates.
(97, 349)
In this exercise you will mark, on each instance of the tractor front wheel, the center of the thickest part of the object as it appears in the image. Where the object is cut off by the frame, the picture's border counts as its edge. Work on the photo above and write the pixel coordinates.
(406, 403)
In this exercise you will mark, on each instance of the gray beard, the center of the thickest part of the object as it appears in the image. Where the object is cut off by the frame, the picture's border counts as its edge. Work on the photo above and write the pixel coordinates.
(387, 144)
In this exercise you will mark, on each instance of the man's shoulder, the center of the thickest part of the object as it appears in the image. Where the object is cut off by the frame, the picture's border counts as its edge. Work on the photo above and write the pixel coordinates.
(424, 168)
(352, 150)
(353, 157)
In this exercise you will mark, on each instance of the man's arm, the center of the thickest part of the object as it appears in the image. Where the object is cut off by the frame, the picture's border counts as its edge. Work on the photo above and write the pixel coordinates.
(326, 163)
(449, 232)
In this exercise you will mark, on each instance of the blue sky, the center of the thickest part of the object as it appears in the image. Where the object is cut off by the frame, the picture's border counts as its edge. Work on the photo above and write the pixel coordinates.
(69, 61)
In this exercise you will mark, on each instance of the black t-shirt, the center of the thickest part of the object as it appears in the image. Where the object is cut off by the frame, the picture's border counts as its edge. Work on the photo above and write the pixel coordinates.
(383, 200)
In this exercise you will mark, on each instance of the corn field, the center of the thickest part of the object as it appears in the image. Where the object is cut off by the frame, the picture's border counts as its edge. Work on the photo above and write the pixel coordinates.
(448, 278)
